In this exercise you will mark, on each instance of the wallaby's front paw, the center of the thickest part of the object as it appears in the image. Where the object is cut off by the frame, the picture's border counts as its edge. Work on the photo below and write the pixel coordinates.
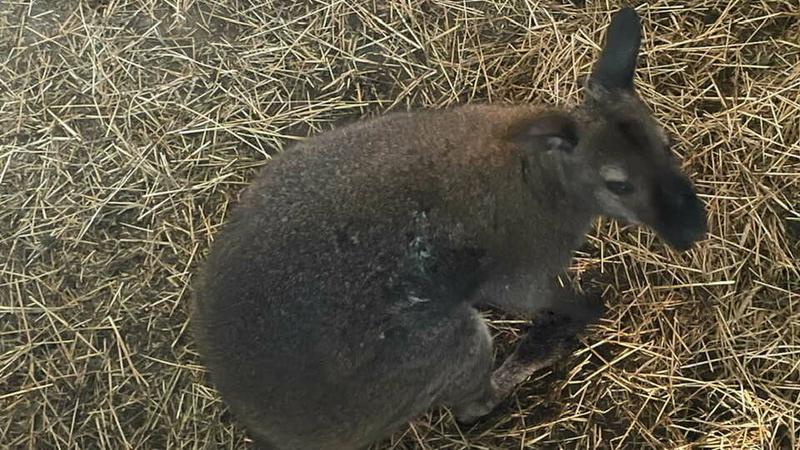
(593, 291)
(556, 326)
(592, 308)
(579, 310)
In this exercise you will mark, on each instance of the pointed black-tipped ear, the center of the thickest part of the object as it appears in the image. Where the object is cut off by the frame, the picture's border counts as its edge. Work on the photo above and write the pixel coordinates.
(547, 132)
(617, 63)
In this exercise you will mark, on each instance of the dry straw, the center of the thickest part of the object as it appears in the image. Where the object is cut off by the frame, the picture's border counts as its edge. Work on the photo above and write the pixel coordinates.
(127, 129)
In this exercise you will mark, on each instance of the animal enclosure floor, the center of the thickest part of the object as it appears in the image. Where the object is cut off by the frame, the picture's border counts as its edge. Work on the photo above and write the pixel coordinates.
(128, 127)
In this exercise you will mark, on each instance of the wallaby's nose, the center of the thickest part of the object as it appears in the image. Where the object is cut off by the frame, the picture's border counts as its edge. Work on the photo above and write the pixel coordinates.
(682, 215)
(678, 192)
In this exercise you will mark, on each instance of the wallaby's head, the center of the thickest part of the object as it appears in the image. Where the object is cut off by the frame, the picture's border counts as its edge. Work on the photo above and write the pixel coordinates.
(613, 155)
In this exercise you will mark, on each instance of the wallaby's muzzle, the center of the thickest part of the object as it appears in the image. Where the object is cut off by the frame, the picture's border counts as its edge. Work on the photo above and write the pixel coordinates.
(680, 215)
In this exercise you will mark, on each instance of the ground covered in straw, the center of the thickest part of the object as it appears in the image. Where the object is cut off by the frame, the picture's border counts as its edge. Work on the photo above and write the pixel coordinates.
(128, 127)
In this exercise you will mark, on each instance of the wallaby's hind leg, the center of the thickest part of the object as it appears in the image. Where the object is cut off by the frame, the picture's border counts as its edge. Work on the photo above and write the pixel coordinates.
(551, 337)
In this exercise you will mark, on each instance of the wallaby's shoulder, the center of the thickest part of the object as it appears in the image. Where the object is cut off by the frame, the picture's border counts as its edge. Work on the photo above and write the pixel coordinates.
(408, 149)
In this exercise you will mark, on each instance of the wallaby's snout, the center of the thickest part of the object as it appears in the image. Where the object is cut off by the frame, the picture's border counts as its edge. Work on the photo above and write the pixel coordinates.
(680, 215)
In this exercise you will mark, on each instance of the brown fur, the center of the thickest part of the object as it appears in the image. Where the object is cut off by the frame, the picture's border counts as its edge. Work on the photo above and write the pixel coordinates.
(338, 302)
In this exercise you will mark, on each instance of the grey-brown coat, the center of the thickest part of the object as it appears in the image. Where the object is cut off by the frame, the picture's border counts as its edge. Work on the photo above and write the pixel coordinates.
(339, 301)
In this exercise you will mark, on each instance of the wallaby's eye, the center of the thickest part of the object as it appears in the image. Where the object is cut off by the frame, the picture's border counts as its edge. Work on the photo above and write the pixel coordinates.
(620, 187)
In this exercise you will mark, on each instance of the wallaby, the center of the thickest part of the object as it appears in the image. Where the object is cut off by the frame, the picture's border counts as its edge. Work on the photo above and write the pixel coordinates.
(339, 302)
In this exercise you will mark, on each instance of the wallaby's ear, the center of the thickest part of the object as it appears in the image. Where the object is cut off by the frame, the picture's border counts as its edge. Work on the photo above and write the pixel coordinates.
(617, 62)
(547, 132)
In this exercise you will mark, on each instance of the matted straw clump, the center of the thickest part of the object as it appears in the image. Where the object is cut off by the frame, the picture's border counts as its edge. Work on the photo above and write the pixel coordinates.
(127, 129)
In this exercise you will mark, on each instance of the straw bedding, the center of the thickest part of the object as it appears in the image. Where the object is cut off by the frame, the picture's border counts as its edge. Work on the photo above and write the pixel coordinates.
(127, 129)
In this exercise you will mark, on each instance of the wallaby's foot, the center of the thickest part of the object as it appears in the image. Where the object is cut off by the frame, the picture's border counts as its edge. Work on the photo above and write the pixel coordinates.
(552, 336)
(468, 415)
(261, 445)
